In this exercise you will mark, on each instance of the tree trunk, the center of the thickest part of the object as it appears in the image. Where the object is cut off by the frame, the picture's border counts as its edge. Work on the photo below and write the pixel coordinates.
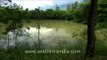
(91, 30)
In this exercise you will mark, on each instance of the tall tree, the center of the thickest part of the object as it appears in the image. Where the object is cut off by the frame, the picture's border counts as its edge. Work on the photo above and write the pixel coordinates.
(74, 5)
(57, 8)
(91, 30)
(68, 8)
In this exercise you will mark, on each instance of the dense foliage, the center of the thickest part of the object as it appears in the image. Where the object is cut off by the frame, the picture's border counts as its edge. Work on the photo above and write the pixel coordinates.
(77, 12)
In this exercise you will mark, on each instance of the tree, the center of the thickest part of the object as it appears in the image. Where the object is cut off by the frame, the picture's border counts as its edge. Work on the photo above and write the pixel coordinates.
(83, 12)
(75, 5)
(68, 8)
(91, 30)
(49, 13)
(102, 14)
(57, 12)
(86, 0)
(57, 8)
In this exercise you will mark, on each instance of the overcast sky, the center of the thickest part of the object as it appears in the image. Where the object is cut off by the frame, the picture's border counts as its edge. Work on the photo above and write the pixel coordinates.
(44, 4)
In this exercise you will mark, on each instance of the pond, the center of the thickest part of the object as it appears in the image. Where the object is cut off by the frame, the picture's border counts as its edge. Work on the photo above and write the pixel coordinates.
(46, 37)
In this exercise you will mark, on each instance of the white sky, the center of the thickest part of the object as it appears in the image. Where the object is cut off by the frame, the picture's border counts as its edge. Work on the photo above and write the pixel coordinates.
(32, 4)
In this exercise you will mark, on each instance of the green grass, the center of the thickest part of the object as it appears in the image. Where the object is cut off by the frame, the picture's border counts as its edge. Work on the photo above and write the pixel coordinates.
(79, 31)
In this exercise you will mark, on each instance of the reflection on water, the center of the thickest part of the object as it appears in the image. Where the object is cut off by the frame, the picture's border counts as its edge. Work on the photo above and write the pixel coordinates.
(49, 37)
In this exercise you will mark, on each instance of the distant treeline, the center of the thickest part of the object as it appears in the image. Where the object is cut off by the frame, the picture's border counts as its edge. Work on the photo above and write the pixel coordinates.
(76, 11)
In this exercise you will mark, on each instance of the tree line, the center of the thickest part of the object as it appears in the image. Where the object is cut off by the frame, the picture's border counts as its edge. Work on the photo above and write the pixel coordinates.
(77, 12)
